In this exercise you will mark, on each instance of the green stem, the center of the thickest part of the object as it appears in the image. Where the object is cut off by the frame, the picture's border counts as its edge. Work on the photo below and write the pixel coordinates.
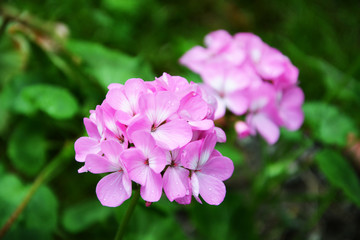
(41, 178)
(121, 231)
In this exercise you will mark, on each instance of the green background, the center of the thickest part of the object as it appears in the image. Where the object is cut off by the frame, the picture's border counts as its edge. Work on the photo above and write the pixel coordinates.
(57, 58)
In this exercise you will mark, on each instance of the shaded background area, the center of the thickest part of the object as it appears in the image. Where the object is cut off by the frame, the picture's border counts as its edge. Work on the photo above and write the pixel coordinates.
(57, 58)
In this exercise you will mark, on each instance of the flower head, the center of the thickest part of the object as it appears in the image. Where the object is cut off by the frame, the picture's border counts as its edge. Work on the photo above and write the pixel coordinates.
(140, 134)
(251, 79)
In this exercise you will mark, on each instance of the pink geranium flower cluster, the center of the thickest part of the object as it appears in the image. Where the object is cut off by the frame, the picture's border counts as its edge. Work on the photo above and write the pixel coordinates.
(251, 79)
(160, 135)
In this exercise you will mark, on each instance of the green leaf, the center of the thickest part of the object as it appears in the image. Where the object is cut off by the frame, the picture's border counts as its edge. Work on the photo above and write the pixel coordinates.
(108, 65)
(339, 173)
(291, 136)
(328, 125)
(12, 192)
(338, 83)
(42, 210)
(56, 101)
(27, 148)
(39, 218)
(82, 216)
(124, 6)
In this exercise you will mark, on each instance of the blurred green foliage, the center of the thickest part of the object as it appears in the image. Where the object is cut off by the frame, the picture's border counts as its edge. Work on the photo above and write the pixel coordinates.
(58, 57)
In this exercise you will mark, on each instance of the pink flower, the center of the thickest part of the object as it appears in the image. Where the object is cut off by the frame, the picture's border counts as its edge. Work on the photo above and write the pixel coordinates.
(263, 114)
(95, 129)
(157, 110)
(248, 77)
(208, 169)
(145, 162)
(220, 48)
(290, 102)
(113, 189)
(175, 176)
(125, 99)
(242, 129)
(138, 134)
(179, 86)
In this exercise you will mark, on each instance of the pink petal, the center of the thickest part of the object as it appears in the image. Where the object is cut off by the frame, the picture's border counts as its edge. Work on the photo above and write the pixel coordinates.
(139, 123)
(215, 77)
(289, 77)
(134, 161)
(292, 118)
(174, 156)
(220, 134)
(97, 164)
(220, 109)
(173, 134)
(115, 85)
(113, 189)
(117, 100)
(272, 64)
(123, 117)
(216, 104)
(175, 182)
(207, 148)
(242, 129)
(219, 167)
(237, 79)
(82, 169)
(84, 146)
(112, 150)
(237, 102)
(195, 58)
(157, 160)
(217, 40)
(115, 128)
(133, 88)
(192, 107)
(194, 181)
(235, 53)
(267, 128)
(158, 107)
(184, 200)
(190, 155)
(293, 97)
(144, 142)
(203, 125)
(211, 189)
(152, 189)
(91, 129)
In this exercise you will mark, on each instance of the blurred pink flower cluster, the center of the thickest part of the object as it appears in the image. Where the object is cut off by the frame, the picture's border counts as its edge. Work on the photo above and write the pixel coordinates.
(160, 135)
(251, 79)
